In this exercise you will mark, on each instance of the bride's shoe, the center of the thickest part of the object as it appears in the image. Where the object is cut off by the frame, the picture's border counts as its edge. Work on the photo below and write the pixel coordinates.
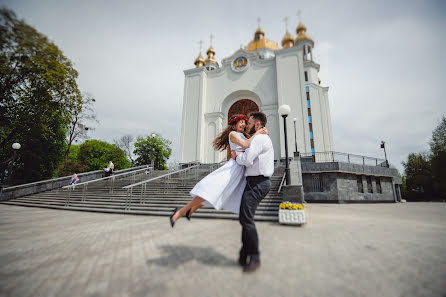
(171, 217)
(188, 214)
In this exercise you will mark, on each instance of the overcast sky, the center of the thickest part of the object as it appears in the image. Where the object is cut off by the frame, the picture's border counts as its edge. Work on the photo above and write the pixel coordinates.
(384, 61)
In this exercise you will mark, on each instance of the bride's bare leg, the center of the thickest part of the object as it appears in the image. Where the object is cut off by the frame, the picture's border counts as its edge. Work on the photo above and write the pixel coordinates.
(194, 209)
(193, 203)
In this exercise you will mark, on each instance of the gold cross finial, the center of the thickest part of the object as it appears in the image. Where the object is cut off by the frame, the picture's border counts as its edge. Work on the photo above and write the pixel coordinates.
(299, 15)
(286, 22)
(211, 37)
(258, 21)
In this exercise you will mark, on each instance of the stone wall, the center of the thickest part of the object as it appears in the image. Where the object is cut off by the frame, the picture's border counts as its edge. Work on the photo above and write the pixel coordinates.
(340, 182)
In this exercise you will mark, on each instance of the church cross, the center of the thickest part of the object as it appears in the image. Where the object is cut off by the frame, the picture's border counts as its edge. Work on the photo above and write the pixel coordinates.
(299, 15)
(258, 22)
(201, 44)
(211, 37)
(286, 22)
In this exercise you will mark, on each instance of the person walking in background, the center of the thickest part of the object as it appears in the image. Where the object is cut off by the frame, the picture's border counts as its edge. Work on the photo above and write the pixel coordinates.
(109, 169)
(74, 179)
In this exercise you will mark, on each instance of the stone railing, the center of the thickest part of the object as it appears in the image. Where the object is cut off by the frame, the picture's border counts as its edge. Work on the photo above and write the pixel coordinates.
(50, 184)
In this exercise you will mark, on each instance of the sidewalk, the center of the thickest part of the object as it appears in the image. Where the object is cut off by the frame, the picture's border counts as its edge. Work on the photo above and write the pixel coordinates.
(344, 250)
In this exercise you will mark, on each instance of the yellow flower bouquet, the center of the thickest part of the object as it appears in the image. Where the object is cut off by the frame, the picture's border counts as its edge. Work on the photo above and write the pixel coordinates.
(291, 213)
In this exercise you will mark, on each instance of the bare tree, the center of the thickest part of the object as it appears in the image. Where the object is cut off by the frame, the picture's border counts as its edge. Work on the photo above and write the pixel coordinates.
(125, 143)
(77, 129)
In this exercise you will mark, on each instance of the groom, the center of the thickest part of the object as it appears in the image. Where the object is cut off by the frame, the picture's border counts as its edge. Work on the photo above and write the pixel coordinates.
(259, 162)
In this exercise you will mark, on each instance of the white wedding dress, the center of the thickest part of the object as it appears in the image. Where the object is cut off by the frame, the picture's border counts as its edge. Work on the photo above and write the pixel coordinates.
(223, 188)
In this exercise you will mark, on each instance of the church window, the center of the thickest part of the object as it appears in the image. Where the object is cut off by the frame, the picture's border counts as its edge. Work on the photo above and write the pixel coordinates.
(306, 76)
(308, 95)
(312, 143)
(311, 127)
(317, 182)
(359, 183)
(369, 184)
(309, 112)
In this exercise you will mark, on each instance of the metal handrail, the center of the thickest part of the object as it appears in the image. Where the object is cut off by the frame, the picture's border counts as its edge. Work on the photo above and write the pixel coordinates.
(108, 177)
(72, 187)
(144, 183)
(281, 182)
(332, 156)
(217, 165)
(158, 177)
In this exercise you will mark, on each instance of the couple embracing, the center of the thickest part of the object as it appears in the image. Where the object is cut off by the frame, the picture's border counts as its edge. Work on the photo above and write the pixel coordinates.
(240, 184)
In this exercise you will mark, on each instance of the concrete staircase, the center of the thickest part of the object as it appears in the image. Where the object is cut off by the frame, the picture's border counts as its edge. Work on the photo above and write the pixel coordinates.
(159, 197)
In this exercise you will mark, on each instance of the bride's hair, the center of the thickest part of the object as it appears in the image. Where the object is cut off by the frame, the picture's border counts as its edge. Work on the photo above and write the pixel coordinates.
(221, 142)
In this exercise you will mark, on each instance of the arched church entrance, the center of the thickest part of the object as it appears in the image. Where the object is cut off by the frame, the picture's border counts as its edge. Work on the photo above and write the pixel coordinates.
(243, 106)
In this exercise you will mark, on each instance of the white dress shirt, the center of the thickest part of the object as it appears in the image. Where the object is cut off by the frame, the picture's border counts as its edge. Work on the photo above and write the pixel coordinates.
(259, 157)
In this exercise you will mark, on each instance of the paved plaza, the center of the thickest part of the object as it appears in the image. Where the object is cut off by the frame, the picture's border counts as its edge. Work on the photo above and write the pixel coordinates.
(344, 250)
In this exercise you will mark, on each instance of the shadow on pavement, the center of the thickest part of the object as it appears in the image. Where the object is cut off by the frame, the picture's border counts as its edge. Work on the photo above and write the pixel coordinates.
(179, 255)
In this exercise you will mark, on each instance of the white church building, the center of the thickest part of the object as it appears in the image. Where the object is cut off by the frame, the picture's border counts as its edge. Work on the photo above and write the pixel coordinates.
(259, 77)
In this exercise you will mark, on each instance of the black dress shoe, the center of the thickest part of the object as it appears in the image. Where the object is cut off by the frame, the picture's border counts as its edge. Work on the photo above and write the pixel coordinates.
(171, 217)
(252, 266)
(188, 214)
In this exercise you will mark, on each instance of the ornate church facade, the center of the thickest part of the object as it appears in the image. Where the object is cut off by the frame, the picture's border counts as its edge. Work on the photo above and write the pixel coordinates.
(259, 77)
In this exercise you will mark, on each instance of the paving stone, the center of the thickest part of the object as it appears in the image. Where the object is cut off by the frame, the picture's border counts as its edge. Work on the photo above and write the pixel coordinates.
(343, 250)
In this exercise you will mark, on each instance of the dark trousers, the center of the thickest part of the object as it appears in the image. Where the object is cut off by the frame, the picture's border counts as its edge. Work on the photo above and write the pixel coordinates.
(256, 189)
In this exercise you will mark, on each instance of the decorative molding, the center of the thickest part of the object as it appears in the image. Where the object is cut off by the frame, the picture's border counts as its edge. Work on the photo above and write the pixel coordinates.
(269, 107)
(213, 115)
(308, 64)
(194, 71)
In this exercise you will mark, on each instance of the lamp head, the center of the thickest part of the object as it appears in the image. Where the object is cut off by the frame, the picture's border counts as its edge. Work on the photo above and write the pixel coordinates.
(284, 110)
(295, 120)
(16, 146)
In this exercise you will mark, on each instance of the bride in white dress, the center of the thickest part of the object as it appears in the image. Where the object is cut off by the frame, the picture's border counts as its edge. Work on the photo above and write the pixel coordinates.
(222, 188)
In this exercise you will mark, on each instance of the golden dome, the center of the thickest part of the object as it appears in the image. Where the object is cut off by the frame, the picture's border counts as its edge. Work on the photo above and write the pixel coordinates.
(259, 31)
(260, 42)
(199, 61)
(288, 40)
(211, 52)
(301, 35)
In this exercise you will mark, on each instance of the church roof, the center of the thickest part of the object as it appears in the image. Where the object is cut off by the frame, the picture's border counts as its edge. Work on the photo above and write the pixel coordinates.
(301, 35)
(260, 42)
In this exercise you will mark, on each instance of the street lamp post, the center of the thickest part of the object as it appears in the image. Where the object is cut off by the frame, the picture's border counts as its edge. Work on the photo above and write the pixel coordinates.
(295, 138)
(153, 151)
(284, 111)
(383, 146)
(15, 146)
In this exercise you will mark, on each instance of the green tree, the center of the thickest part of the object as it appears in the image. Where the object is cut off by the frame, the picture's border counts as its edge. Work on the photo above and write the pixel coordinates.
(77, 128)
(95, 155)
(152, 148)
(418, 176)
(438, 159)
(72, 164)
(38, 95)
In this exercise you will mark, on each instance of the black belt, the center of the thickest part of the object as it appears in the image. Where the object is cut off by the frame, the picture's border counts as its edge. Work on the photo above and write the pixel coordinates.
(257, 177)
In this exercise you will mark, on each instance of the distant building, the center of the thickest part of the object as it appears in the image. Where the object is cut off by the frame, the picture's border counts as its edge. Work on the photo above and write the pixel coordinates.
(262, 77)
